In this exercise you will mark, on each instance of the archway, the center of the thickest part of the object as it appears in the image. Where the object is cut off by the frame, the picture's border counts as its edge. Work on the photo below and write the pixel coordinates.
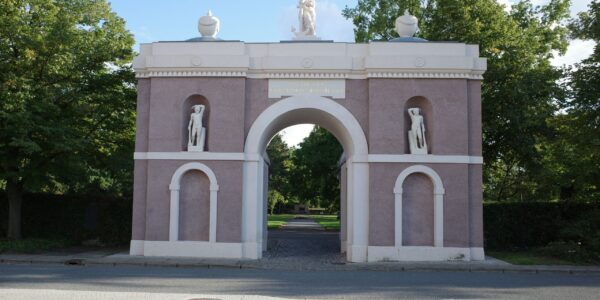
(342, 124)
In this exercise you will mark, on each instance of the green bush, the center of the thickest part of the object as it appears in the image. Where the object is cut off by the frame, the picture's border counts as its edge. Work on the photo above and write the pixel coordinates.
(32, 245)
(527, 225)
(578, 241)
(73, 217)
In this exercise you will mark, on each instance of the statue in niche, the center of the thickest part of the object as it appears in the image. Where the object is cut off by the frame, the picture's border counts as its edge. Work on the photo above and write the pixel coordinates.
(308, 20)
(416, 134)
(196, 133)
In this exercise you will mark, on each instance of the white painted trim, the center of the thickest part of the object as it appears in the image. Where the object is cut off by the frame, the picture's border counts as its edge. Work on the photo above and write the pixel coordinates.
(477, 254)
(189, 156)
(136, 248)
(438, 190)
(342, 123)
(425, 159)
(379, 253)
(192, 249)
(174, 187)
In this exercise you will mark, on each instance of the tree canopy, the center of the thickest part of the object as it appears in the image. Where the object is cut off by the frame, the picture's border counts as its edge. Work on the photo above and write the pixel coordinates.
(521, 88)
(67, 99)
(573, 152)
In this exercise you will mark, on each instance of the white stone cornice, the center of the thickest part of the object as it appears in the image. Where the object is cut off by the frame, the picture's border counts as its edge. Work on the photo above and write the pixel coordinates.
(310, 60)
(189, 156)
(190, 73)
(428, 75)
(291, 74)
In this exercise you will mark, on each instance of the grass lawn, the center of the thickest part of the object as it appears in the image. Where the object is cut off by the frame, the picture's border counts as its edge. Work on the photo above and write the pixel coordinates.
(32, 245)
(531, 257)
(276, 221)
(329, 222)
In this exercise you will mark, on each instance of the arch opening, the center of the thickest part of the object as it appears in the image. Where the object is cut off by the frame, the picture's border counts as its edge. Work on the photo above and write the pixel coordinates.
(303, 189)
(336, 119)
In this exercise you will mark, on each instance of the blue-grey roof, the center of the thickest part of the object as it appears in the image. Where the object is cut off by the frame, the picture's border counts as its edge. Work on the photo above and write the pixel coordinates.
(205, 39)
(408, 40)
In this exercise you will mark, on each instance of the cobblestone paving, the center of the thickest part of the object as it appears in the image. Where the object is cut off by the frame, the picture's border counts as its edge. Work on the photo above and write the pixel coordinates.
(302, 244)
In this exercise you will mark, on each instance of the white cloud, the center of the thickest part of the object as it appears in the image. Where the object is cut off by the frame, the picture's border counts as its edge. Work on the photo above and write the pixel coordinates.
(577, 51)
(294, 135)
(507, 4)
(331, 25)
(143, 35)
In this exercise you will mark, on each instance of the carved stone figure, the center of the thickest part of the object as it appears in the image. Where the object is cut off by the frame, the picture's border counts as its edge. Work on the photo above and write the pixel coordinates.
(308, 20)
(416, 134)
(197, 133)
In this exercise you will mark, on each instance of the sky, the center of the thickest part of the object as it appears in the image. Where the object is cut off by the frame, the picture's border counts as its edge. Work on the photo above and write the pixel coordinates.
(268, 21)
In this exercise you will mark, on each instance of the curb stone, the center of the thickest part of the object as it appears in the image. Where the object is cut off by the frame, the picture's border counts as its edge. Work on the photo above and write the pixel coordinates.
(263, 265)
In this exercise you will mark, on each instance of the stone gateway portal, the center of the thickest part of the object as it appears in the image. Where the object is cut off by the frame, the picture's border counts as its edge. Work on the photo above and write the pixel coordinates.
(407, 113)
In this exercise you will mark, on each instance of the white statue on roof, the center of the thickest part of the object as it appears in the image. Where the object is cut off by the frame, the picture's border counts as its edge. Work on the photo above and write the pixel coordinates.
(307, 17)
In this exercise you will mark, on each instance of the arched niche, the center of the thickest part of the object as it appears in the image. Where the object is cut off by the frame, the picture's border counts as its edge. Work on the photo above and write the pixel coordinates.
(175, 188)
(417, 210)
(194, 206)
(427, 112)
(186, 111)
(438, 203)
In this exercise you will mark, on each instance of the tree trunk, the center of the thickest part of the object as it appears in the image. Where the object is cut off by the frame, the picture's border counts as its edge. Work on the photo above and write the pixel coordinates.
(14, 192)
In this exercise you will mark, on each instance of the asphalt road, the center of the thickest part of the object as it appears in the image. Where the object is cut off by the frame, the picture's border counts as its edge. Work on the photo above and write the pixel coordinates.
(85, 282)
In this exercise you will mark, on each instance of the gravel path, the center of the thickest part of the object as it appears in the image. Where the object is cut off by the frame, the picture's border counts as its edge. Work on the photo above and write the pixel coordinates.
(303, 244)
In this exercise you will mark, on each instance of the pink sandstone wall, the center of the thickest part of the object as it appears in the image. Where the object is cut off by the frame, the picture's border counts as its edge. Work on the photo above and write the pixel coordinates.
(449, 99)
(475, 129)
(227, 100)
(141, 167)
(377, 104)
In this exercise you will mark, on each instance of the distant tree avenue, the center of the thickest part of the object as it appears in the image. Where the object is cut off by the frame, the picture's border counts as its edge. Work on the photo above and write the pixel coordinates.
(67, 100)
(305, 175)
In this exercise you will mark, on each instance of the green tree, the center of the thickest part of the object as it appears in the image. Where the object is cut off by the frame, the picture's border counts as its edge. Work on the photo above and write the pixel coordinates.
(314, 178)
(520, 88)
(66, 98)
(574, 151)
(280, 156)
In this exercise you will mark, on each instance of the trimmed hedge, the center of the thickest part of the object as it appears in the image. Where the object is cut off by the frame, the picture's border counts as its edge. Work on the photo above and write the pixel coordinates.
(533, 224)
(506, 225)
(73, 217)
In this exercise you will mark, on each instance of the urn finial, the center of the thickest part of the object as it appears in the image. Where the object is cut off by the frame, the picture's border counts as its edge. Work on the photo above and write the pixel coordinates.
(209, 25)
(407, 24)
